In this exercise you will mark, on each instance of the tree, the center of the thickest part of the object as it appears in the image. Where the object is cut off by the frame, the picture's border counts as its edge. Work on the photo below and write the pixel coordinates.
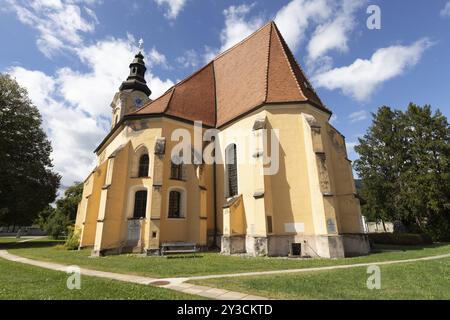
(426, 179)
(56, 225)
(404, 165)
(27, 182)
(378, 164)
(69, 204)
(56, 220)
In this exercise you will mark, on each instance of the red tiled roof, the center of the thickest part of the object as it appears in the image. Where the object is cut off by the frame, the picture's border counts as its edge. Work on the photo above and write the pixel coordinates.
(260, 69)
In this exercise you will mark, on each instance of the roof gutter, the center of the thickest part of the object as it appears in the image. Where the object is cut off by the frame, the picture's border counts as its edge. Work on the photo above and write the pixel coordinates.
(131, 117)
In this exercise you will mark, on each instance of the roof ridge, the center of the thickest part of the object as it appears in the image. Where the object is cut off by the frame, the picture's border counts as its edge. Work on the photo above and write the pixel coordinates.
(149, 103)
(210, 62)
(220, 55)
(215, 93)
(192, 75)
(170, 99)
(287, 51)
(268, 61)
(281, 39)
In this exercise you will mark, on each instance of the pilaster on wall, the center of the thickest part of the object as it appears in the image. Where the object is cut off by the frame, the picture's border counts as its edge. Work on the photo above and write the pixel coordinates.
(101, 219)
(260, 153)
(109, 218)
(203, 229)
(322, 199)
(153, 229)
(89, 224)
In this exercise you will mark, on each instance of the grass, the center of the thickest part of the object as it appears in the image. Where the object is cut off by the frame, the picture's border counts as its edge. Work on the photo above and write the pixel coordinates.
(7, 239)
(11, 239)
(202, 264)
(19, 281)
(416, 280)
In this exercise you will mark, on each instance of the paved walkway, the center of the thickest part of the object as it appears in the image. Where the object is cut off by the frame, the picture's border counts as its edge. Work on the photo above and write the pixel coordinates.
(28, 239)
(345, 266)
(179, 284)
(175, 284)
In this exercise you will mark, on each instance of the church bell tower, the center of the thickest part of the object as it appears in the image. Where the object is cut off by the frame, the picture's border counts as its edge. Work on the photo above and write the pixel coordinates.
(133, 92)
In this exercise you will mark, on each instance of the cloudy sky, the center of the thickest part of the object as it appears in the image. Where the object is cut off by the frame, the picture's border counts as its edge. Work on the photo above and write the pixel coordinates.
(72, 55)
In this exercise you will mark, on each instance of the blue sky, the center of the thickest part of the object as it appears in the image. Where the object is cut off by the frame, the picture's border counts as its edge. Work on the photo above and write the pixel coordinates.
(72, 55)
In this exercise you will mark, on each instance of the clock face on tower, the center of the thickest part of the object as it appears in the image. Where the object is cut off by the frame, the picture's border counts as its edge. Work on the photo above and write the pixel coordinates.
(138, 102)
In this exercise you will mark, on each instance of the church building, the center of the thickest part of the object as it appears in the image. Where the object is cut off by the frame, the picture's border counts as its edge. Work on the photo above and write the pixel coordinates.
(283, 184)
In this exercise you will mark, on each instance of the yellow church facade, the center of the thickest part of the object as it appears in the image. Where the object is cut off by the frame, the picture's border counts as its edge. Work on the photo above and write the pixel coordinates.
(279, 182)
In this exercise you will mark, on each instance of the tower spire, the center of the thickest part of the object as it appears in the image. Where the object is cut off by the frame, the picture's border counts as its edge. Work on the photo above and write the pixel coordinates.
(136, 78)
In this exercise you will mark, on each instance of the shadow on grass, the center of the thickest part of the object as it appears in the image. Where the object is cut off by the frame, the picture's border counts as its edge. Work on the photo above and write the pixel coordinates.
(30, 244)
(184, 256)
(380, 248)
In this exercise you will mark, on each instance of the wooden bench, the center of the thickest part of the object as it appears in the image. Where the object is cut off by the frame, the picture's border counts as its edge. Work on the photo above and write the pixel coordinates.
(178, 248)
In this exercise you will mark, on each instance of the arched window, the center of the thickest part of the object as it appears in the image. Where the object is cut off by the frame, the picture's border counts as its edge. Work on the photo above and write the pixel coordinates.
(231, 167)
(140, 204)
(143, 166)
(175, 205)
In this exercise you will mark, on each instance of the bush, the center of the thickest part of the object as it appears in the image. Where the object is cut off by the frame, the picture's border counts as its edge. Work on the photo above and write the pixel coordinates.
(409, 239)
(73, 238)
(56, 225)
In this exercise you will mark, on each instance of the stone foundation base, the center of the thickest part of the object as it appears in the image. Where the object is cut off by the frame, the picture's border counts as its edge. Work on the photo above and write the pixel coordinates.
(356, 244)
(324, 246)
(254, 246)
(232, 244)
(153, 252)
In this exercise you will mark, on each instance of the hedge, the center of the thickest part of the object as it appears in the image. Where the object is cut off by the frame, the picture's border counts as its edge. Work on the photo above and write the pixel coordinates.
(400, 238)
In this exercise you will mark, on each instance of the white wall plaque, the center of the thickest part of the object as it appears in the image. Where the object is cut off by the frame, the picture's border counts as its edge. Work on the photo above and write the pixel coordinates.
(294, 227)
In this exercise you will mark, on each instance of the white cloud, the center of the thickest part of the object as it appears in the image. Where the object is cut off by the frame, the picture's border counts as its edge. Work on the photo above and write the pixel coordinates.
(294, 19)
(60, 23)
(236, 25)
(157, 58)
(74, 104)
(363, 77)
(91, 91)
(190, 59)
(445, 12)
(334, 33)
(351, 153)
(72, 147)
(358, 116)
(174, 7)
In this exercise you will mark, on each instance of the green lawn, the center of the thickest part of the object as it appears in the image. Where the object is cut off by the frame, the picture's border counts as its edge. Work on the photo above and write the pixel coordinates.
(202, 264)
(11, 239)
(19, 281)
(417, 280)
(7, 239)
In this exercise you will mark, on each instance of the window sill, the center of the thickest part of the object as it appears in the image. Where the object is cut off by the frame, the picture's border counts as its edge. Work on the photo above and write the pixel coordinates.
(178, 179)
(177, 219)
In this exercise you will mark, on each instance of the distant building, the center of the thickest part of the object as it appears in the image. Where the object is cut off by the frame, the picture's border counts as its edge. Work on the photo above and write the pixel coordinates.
(140, 196)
